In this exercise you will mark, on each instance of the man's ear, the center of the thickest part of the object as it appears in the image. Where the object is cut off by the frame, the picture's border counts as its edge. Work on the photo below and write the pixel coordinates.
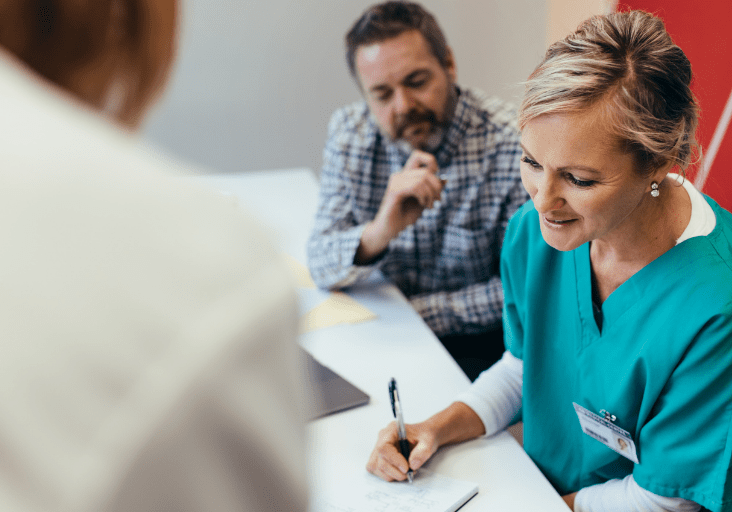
(451, 67)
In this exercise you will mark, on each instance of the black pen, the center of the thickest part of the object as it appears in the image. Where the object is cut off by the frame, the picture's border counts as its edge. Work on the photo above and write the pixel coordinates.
(396, 408)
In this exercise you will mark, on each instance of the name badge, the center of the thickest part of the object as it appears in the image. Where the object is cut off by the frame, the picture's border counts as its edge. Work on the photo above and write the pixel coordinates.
(606, 432)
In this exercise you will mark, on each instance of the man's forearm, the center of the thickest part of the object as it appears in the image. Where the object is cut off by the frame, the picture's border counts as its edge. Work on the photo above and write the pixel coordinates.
(373, 244)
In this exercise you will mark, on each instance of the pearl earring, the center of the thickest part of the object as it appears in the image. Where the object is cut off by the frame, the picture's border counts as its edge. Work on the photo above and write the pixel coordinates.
(654, 189)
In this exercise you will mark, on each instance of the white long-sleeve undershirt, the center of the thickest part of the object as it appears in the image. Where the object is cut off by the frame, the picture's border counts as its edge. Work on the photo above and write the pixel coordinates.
(496, 396)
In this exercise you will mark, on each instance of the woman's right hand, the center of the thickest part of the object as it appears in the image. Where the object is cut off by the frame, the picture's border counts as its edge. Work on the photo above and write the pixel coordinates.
(388, 463)
(455, 424)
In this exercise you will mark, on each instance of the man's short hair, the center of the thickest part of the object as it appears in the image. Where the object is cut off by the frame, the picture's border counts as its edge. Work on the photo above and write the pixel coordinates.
(389, 19)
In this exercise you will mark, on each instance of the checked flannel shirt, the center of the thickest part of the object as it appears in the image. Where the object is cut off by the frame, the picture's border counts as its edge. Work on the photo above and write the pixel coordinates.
(447, 263)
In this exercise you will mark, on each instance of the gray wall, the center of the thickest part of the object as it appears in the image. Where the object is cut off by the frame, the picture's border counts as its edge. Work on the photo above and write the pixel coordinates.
(256, 82)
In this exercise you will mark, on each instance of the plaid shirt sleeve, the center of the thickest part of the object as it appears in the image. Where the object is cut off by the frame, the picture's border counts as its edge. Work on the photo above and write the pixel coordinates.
(337, 234)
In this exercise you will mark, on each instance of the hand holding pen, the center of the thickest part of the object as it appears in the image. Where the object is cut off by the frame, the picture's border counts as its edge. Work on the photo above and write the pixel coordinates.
(396, 407)
(394, 457)
(402, 449)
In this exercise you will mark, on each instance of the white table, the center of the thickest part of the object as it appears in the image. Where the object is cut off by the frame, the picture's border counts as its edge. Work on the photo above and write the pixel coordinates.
(397, 344)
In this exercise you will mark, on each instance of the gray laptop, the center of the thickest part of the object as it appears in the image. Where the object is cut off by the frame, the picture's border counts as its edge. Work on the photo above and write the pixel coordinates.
(329, 392)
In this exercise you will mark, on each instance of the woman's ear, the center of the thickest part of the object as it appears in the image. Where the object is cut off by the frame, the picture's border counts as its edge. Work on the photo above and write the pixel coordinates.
(659, 175)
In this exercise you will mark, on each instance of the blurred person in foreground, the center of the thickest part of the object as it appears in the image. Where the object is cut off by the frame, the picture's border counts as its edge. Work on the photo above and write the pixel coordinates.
(618, 288)
(148, 329)
(418, 182)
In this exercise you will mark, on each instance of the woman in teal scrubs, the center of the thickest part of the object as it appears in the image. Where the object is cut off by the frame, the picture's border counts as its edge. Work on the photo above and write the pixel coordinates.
(618, 288)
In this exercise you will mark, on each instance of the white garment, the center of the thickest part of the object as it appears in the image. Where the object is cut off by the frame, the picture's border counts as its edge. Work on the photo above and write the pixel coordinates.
(148, 357)
(496, 395)
(702, 219)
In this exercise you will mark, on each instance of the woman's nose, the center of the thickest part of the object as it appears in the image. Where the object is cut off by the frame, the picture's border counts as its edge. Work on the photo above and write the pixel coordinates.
(547, 195)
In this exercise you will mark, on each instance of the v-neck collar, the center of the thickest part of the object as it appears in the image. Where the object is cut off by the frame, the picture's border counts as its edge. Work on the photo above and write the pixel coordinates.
(633, 289)
(617, 303)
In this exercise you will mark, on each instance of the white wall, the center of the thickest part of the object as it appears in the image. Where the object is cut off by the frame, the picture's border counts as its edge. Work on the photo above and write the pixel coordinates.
(563, 16)
(256, 81)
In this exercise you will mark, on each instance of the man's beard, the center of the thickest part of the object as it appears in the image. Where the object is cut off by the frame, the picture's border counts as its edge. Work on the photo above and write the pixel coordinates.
(436, 128)
(413, 117)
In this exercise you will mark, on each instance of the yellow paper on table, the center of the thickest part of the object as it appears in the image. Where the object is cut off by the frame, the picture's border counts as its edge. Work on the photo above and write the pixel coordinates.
(299, 272)
(339, 308)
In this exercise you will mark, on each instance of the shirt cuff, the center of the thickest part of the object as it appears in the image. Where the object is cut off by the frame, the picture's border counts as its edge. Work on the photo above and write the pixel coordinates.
(495, 396)
(343, 271)
(628, 496)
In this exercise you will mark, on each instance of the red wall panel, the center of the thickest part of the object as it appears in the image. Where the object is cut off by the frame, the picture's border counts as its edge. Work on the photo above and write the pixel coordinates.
(702, 30)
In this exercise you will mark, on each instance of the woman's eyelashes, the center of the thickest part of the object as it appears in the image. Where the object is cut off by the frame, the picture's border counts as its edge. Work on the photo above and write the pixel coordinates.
(569, 177)
(525, 159)
(578, 182)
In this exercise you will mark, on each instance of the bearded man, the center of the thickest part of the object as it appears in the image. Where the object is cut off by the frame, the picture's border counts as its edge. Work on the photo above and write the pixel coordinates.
(419, 180)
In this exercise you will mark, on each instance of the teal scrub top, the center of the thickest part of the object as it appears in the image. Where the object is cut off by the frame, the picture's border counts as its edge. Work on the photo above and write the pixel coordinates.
(661, 364)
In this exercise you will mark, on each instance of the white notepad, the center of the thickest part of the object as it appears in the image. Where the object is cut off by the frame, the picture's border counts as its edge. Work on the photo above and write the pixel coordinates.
(430, 492)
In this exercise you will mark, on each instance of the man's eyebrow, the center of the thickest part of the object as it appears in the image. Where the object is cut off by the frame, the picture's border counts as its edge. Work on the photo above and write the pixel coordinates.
(565, 167)
(416, 74)
(379, 88)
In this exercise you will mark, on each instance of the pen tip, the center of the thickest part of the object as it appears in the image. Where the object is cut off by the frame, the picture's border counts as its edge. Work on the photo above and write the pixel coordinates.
(409, 476)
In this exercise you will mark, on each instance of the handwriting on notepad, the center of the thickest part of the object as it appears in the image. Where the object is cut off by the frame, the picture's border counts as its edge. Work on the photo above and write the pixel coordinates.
(409, 500)
(429, 493)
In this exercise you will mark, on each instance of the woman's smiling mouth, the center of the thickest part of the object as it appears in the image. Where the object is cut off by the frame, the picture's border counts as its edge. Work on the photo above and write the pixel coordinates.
(557, 222)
